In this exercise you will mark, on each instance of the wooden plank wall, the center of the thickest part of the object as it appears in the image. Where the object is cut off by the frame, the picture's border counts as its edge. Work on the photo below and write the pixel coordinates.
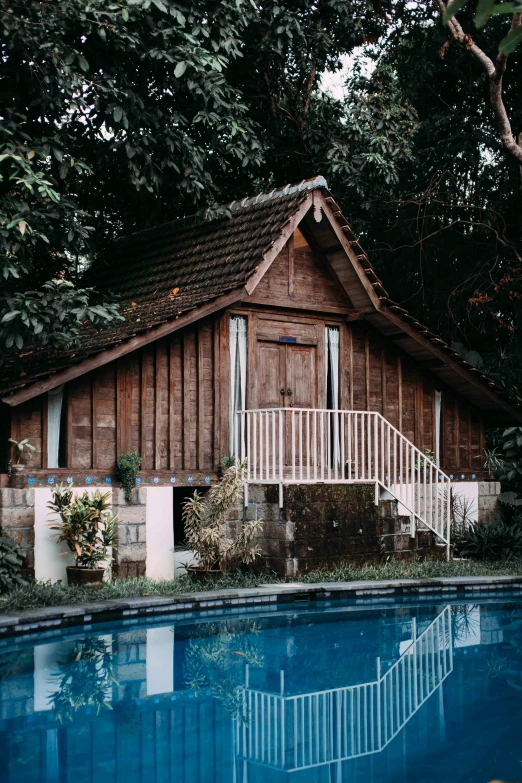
(384, 380)
(171, 402)
(158, 401)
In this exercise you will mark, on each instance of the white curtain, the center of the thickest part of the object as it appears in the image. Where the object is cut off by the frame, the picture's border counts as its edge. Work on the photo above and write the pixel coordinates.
(238, 377)
(54, 415)
(332, 383)
(438, 406)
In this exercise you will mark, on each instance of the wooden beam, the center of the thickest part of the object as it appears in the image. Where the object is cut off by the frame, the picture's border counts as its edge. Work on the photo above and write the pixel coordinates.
(356, 264)
(291, 270)
(288, 305)
(279, 244)
(111, 354)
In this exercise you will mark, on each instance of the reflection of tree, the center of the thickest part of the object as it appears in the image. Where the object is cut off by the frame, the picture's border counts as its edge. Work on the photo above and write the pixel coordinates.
(216, 658)
(15, 663)
(465, 622)
(84, 679)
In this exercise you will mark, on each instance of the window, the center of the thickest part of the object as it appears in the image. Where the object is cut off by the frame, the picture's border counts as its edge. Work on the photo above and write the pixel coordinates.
(438, 407)
(332, 386)
(56, 427)
(238, 375)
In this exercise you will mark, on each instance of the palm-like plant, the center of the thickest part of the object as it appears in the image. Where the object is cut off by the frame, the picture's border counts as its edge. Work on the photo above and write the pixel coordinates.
(86, 524)
(21, 447)
(205, 523)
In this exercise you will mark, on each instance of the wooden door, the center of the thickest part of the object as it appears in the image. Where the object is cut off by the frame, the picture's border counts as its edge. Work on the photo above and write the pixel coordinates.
(271, 374)
(286, 376)
(301, 376)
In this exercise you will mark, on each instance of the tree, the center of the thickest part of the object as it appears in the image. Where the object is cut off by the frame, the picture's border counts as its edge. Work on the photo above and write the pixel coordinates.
(495, 68)
(110, 111)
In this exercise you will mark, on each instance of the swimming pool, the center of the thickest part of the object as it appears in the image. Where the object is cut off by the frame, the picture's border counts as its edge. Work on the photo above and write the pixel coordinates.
(333, 693)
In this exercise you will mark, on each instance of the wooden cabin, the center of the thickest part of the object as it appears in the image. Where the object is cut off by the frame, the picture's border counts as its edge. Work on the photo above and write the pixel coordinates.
(271, 308)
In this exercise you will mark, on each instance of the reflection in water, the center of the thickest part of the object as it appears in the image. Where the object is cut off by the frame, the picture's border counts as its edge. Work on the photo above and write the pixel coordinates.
(84, 678)
(333, 693)
(300, 731)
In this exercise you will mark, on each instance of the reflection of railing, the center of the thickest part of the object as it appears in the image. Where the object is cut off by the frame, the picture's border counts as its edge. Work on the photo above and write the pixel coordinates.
(297, 732)
(301, 445)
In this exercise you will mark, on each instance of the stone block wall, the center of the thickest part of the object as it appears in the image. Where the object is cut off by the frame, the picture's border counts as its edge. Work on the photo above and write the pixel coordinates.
(324, 525)
(17, 520)
(488, 503)
(131, 554)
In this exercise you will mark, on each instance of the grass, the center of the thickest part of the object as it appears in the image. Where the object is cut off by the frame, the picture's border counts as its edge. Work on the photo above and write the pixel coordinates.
(38, 594)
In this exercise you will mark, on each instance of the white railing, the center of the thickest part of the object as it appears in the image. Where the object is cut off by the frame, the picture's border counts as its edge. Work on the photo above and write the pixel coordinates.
(307, 730)
(302, 445)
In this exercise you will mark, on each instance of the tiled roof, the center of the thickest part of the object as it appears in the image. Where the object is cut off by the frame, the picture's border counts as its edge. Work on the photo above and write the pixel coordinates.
(163, 272)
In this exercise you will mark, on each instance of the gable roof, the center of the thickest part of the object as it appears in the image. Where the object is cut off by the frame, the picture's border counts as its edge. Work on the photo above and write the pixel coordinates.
(170, 276)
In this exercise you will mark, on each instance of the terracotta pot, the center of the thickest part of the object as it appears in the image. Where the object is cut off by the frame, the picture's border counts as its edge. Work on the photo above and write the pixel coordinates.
(200, 574)
(84, 576)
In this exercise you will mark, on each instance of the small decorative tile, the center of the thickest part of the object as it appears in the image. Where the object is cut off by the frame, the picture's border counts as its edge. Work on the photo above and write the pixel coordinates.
(207, 479)
(156, 480)
(50, 480)
(108, 480)
(451, 475)
(69, 479)
(88, 479)
(190, 479)
(30, 480)
(173, 697)
(474, 476)
(172, 479)
(138, 480)
(462, 476)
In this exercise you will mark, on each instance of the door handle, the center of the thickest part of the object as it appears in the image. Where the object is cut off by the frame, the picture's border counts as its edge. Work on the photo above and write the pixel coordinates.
(283, 392)
(289, 392)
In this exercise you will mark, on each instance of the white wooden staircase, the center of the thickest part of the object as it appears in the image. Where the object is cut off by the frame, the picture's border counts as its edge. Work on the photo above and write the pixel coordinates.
(311, 446)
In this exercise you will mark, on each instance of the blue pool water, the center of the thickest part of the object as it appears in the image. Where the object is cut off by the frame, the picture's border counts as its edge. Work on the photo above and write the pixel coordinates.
(334, 693)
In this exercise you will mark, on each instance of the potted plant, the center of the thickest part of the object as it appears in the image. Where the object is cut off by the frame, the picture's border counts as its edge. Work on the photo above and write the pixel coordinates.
(84, 679)
(21, 447)
(204, 519)
(87, 527)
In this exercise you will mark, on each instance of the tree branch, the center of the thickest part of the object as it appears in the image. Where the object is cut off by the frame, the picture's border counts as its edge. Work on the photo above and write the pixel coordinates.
(495, 71)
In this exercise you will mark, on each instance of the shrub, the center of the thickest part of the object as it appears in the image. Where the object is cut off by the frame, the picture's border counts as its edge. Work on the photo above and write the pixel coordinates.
(86, 524)
(487, 541)
(205, 523)
(128, 467)
(11, 563)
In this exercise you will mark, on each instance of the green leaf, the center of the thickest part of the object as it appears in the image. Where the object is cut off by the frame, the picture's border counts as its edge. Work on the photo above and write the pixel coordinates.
(84, 65)
(161, 6)
(484, 11)
(117, 113)
(10, 316)
(511, 41)
(180, 69)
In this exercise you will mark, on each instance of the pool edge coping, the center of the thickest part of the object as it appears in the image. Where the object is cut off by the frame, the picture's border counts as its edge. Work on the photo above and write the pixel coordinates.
(205, 602)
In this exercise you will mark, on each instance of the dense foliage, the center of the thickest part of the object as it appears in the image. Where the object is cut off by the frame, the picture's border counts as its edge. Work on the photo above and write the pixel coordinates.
(11, 565)
(118, 115)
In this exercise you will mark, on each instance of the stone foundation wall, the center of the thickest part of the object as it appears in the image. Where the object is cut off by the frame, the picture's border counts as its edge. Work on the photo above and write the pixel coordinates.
(488, 503)
(131, 554)
(17, 520)
(324, 525)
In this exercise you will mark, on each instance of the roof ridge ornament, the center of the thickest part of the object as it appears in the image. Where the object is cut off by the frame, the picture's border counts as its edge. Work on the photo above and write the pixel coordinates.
(287, 190)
